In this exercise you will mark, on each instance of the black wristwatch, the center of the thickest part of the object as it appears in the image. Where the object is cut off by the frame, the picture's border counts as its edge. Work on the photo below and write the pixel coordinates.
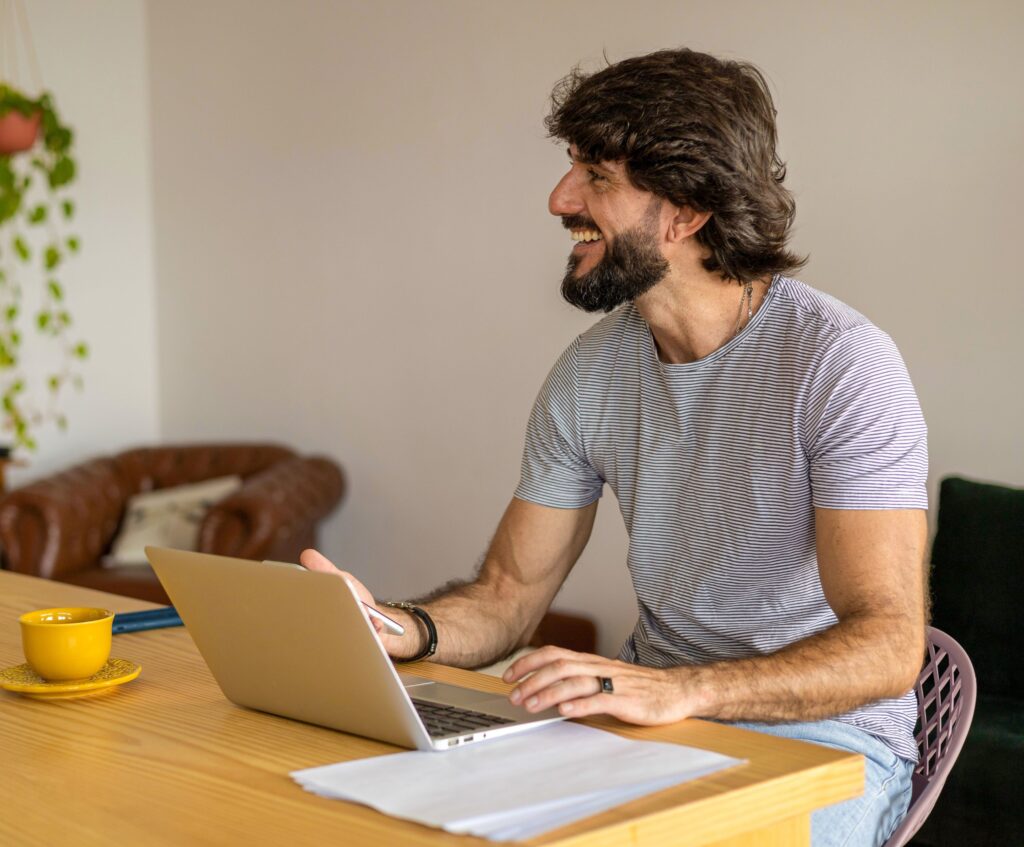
(427, 622)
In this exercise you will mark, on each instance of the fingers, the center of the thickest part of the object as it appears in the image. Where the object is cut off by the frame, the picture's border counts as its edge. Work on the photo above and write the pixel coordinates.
(598, 704)
(562, 679)
(553, 677)
(314, 560)
(544, 656)
(557, 693)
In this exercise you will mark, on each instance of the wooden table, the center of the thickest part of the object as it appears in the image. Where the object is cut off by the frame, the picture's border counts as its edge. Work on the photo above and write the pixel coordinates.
(167, 760)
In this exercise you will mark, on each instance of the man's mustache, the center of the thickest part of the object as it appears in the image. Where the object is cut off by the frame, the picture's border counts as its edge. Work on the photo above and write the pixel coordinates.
(579, 222)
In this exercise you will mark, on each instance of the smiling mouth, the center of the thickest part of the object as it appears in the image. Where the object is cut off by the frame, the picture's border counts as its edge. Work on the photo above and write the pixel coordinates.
(585, 235)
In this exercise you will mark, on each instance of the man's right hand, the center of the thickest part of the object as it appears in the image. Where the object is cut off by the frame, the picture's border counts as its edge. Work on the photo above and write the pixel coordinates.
(478, 622)
(398, 646)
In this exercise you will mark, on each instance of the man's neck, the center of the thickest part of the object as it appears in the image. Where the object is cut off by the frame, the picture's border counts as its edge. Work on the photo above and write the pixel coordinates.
(692, 314)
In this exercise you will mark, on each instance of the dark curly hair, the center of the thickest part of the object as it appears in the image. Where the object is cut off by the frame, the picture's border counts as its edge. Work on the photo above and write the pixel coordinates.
(698, 131)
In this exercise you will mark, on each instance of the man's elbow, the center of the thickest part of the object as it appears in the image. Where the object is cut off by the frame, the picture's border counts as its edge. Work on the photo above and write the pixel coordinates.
(909, 651)
(908, 680)
(896, 646)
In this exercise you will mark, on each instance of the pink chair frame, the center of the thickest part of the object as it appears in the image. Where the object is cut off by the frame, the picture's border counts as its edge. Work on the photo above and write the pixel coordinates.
(946, 693)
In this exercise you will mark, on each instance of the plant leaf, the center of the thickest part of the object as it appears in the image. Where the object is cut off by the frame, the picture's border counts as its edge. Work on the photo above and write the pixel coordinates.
(56, 292)
(62, 173)
(68, 207)
(82, 350)
(52, 257)
(73, 244)
(21, 248)
(38, 214)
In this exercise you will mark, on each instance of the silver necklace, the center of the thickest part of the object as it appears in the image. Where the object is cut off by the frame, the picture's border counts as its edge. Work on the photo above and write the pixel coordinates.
(747, 298)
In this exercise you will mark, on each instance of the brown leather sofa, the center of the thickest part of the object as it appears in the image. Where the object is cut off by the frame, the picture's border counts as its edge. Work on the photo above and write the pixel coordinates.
(61, 527)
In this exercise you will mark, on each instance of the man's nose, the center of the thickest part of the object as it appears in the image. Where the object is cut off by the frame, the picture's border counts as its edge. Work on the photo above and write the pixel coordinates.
(565, 199)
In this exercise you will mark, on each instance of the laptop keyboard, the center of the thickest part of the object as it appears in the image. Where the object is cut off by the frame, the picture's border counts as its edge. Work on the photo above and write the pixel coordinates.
(452, 720)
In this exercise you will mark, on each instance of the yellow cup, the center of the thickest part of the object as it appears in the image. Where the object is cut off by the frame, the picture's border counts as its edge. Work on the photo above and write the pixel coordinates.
(67, 643)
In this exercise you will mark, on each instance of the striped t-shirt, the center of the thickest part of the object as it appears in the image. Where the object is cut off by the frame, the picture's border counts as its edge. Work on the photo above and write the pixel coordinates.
(718, 465)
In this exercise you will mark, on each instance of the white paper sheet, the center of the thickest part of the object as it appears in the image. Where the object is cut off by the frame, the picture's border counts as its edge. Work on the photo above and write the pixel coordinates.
(515, 787)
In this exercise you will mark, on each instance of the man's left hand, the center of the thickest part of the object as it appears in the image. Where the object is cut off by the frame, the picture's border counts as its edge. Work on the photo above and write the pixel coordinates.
(572, 683)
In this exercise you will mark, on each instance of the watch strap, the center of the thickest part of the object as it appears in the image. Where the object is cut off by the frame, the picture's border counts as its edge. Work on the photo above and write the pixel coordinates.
(428, 624)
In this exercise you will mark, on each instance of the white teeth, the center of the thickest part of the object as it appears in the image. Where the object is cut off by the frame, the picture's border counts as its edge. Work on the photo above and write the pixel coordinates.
(585, 235)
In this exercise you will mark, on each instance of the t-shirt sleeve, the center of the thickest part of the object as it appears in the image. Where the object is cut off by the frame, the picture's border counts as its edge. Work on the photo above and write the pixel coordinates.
(555, 469)
(866, 439)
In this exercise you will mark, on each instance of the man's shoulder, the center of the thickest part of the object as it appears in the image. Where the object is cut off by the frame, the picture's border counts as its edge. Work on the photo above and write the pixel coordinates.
(600, 350)
(814, 309)
(835, 341)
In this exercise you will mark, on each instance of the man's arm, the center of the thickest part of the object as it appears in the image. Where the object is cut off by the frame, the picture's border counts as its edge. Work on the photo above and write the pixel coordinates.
(532, 552)
(871, 564)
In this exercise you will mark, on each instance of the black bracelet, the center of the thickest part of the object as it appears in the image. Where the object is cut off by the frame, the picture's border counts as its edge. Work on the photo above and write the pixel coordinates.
(428, 622)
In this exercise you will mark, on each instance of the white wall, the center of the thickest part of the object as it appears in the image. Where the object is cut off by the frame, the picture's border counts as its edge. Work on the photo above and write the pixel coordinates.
(93, 58)
(354, 254)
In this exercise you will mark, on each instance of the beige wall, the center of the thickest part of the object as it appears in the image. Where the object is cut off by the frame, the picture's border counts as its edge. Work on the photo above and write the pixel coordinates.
(354, 255)
(93, 57)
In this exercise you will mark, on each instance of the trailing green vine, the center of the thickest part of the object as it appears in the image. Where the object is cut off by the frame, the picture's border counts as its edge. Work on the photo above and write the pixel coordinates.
(34, 212)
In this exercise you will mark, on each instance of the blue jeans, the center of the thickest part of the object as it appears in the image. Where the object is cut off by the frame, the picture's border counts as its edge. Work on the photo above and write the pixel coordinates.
(865, 821)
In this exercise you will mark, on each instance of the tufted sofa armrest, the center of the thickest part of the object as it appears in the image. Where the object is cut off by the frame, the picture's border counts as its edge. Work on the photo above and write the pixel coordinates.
(275, 512)
(62, 524)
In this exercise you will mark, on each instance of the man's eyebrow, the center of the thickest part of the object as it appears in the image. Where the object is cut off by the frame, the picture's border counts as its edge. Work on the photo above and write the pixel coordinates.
(589, 162)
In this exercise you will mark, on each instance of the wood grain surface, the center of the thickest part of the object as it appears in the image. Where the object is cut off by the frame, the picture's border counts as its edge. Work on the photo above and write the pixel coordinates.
(166, 759)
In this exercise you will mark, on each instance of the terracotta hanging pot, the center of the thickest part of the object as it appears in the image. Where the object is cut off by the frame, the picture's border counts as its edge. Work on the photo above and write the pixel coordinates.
(18, 133)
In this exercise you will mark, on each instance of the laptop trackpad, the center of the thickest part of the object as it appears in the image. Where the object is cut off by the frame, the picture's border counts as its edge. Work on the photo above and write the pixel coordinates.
(448, 695)
(480, 701)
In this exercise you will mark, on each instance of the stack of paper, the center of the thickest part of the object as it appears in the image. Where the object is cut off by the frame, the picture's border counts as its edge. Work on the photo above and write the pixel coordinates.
(516, 787)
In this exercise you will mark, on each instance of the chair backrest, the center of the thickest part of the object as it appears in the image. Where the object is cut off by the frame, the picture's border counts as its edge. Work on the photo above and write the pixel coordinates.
(946, 692)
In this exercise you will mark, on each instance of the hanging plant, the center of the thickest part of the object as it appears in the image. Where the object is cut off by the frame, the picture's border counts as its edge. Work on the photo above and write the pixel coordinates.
(36, 167)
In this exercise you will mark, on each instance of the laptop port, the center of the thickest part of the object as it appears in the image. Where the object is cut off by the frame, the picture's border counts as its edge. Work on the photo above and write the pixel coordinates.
(453, 742)
(469, 738)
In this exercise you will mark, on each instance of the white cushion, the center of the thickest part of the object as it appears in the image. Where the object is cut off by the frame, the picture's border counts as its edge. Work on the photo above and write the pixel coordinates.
(168, 517)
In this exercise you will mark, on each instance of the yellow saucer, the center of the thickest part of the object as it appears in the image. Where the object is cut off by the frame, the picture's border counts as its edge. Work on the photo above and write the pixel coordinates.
(23, 680)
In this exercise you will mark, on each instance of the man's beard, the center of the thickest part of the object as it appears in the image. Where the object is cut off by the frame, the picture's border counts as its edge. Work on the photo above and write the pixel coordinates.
(630, 267)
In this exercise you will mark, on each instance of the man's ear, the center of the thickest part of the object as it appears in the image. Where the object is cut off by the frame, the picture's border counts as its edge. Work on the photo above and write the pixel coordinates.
(686, 222)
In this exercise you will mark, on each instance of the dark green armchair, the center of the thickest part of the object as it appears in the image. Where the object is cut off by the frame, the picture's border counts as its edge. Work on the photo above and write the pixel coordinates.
(978, 597)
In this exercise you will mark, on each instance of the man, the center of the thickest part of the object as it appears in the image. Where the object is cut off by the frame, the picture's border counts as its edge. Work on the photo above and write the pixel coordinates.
(763, 441)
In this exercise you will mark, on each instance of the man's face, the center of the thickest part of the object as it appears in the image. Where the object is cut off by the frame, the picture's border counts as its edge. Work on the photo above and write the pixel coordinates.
(616, 227)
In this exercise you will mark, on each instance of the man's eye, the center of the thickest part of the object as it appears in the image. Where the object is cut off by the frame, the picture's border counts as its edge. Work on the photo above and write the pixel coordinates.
(594, 175)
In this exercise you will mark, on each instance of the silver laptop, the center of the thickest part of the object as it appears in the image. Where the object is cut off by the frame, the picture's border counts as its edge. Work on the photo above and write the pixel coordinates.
(297, 643)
